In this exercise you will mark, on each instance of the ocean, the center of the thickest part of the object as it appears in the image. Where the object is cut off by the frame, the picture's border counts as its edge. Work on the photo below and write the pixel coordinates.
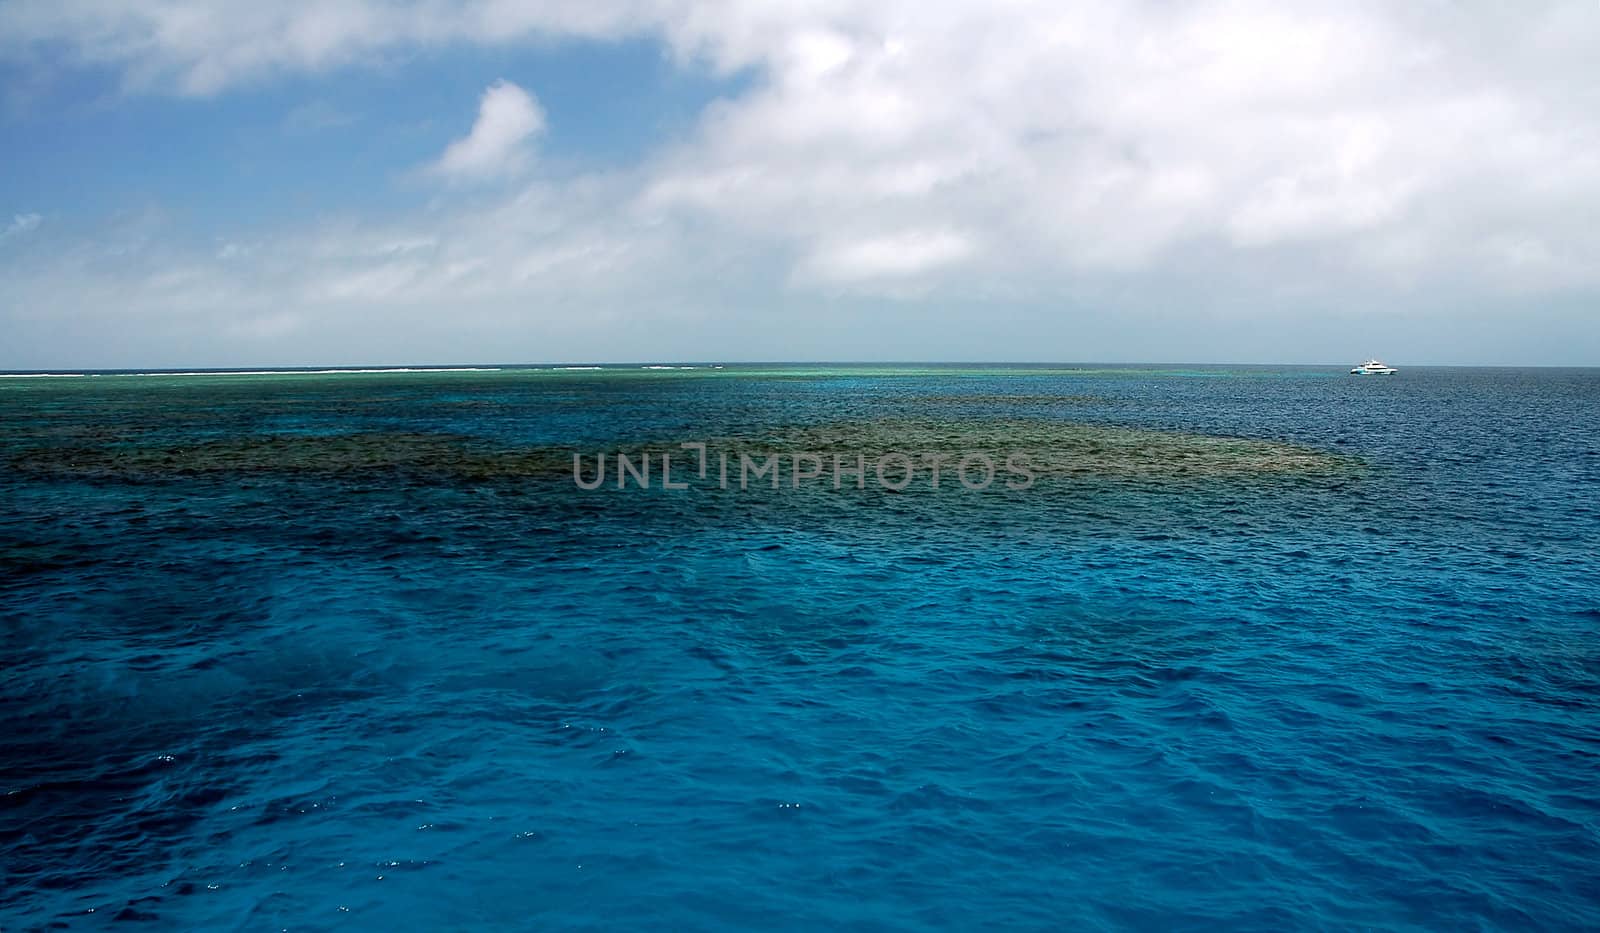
(1255, 648)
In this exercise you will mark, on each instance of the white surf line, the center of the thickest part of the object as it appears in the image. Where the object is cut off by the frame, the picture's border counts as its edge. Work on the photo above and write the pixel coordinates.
(263, 372)
(330, 372)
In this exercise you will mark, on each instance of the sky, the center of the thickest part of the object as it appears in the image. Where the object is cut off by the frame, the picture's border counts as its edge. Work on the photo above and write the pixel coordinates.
(237, 183)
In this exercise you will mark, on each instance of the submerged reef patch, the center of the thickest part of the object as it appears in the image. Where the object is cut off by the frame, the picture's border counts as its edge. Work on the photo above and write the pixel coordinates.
(1051, 449)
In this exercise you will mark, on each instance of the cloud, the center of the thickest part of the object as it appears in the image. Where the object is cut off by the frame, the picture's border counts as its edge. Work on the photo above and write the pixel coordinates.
(1218, 157)
(892, 256)
(20, 225)
(206, 47)
(499, 145)
(1106, 139)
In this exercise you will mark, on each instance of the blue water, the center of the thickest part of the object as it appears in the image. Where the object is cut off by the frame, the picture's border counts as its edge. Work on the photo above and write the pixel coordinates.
(280, 653)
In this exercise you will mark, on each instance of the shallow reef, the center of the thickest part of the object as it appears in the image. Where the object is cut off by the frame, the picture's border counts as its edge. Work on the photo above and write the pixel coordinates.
(1056, 448)
(1050, 448)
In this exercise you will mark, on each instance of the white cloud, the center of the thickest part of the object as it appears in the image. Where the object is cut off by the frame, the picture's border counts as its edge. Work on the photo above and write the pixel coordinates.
(20, 224)
(206, 47)
(1103, 138)
(893, 256)
(499, 145)
(1345, 153)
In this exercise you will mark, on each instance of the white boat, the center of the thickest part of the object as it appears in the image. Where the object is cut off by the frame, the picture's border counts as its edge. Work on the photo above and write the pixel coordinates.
(1373, 368)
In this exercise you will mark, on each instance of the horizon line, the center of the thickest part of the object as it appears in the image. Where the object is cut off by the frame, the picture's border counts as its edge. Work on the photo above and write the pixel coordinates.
(592, 365)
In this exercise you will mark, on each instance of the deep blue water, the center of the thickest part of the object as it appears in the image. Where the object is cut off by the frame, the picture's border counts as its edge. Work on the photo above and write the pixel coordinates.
(337, 652)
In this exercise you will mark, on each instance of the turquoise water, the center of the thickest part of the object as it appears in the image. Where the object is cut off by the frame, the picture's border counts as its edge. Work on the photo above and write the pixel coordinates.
(1266, 648)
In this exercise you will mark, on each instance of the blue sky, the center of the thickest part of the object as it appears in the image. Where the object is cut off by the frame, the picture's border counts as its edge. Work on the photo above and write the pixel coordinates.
(186, 184)
(302, 145)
